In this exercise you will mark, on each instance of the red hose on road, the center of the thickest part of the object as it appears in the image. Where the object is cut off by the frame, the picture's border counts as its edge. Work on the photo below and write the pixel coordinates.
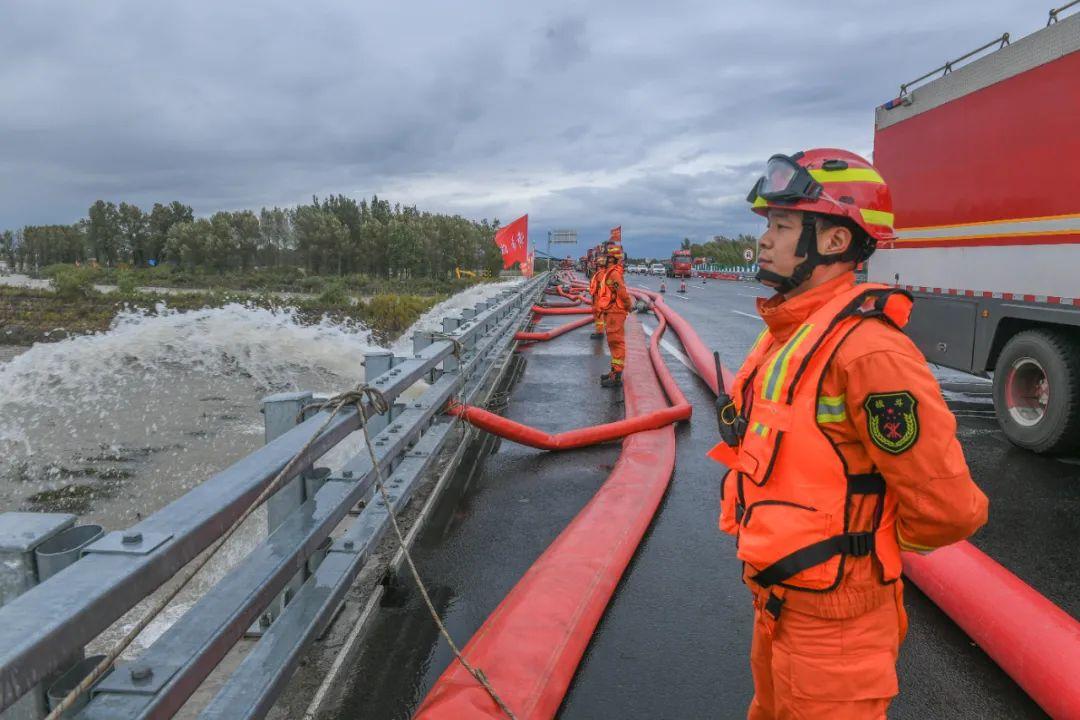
(1032, 639)
(561, 310)
(571, 296)
(570, 439)
(696, 349)
(531, 645)
(553, 332)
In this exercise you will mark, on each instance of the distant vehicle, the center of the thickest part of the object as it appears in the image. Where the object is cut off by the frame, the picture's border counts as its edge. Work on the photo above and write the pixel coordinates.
(657, 269)
(639, 269)
(984, 166)
(682, 264)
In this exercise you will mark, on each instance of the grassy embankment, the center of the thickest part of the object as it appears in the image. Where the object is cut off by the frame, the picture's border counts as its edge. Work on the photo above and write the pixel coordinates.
(73, 307)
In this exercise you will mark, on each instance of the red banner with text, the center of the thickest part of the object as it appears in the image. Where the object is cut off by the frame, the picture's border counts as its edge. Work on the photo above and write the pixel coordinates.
(513, 242)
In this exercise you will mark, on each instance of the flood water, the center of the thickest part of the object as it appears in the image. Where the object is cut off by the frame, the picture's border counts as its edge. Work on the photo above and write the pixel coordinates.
(113, 426)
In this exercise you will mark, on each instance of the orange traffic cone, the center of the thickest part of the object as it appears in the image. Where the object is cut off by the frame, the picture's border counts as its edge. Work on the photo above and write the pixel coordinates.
(663, 286)
(682, 286)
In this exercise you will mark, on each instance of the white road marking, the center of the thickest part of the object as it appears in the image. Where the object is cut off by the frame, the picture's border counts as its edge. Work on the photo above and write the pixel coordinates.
(752, 317)
(751, 296)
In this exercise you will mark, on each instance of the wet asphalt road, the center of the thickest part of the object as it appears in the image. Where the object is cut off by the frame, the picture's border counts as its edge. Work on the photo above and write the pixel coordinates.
(675, 640)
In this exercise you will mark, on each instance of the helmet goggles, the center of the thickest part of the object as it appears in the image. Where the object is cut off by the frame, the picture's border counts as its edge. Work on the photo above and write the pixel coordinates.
(785, 181)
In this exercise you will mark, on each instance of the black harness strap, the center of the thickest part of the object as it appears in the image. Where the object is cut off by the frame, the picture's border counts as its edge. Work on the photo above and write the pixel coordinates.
(868, 484)
(857, 544)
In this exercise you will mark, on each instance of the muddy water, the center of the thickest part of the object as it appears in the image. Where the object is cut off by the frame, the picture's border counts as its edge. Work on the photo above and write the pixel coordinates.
(113, 426)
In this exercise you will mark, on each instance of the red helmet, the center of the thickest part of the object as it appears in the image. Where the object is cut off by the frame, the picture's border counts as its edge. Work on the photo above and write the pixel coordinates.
(827, 181)
(614, 251)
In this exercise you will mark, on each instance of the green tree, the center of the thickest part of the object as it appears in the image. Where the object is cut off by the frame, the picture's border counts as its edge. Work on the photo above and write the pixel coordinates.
(134, 227)
(320, 238)
(7, 248)
(103, 232)
(276, 239)
(245, 228)
(163, 217)
(222, 247)
(187, 242)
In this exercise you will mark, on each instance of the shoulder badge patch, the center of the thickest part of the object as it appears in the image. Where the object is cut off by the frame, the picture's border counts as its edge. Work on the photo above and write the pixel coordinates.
(892, 421)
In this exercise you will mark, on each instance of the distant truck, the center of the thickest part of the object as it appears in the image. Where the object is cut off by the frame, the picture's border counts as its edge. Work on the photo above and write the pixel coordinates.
(984, 168)
(682, 264)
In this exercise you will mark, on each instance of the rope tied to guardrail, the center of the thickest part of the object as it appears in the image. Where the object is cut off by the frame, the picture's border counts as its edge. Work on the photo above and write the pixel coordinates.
(351, 398)
(381, 405)
(459, 348)
(335, 405)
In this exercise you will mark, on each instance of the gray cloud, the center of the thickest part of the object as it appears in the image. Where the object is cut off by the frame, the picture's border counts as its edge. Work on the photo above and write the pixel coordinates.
(650, 115)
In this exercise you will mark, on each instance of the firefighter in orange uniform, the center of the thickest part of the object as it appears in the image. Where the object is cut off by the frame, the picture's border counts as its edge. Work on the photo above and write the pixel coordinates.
(595, 283)
(841, 451)
(614, 302)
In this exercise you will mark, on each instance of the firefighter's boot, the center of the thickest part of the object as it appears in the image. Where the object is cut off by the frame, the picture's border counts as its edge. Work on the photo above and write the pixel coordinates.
(612, 380)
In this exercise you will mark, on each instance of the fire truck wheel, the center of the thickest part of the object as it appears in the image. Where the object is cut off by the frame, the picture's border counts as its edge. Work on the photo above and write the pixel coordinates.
(1037, 391)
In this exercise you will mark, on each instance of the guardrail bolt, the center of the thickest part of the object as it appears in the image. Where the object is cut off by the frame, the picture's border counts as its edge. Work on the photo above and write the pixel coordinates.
(141, 673)
(347, 473)
(131, 538)
(348, 544)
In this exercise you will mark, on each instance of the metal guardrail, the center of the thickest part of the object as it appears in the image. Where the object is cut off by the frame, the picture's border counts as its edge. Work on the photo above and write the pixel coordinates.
(41, 629)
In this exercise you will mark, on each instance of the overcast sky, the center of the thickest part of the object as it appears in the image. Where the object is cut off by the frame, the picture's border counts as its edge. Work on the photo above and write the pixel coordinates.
(652, 115)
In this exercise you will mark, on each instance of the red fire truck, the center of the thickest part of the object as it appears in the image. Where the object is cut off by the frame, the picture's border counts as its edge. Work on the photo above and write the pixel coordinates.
(681, 264)
(984, 168)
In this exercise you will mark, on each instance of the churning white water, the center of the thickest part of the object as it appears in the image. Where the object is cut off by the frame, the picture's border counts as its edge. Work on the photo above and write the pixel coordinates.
(113, 425)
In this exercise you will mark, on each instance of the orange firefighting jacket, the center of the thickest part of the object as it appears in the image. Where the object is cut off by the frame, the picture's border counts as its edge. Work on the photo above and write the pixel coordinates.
(849, 455)
(613, 296)
(595, 283)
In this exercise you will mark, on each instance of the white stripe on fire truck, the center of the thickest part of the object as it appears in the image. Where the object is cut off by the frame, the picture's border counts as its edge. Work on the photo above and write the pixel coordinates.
(1022, 297)
(1059, 224)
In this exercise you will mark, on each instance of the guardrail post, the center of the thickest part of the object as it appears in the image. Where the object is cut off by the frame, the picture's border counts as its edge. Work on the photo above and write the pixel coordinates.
(21, 533)
(420, 340)
(279, 416)
(376, 364)
(450, 324)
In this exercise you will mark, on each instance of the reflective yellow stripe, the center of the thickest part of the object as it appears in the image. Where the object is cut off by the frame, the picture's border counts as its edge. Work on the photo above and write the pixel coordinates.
(849, 175)
(877, 217)
(762, 430)
(910, 546)
(759, 202)
(831, 409)
(761, 336)
(778, 367)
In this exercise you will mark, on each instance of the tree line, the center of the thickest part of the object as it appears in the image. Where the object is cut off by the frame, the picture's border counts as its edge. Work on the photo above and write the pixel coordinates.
(723, 250)
(336, 235)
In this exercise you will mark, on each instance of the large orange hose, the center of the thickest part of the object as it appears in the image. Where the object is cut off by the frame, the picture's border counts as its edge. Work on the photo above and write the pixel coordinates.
(570, 439)
(561, 310)
(554, 332)
(530, 646)
(1032, 639)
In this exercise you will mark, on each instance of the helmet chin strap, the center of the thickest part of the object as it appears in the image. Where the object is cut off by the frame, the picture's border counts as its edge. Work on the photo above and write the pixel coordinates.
(807, 248)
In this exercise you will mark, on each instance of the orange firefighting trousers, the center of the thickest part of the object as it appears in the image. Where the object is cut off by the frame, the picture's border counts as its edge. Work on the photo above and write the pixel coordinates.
(616, 338)
(813, 668)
